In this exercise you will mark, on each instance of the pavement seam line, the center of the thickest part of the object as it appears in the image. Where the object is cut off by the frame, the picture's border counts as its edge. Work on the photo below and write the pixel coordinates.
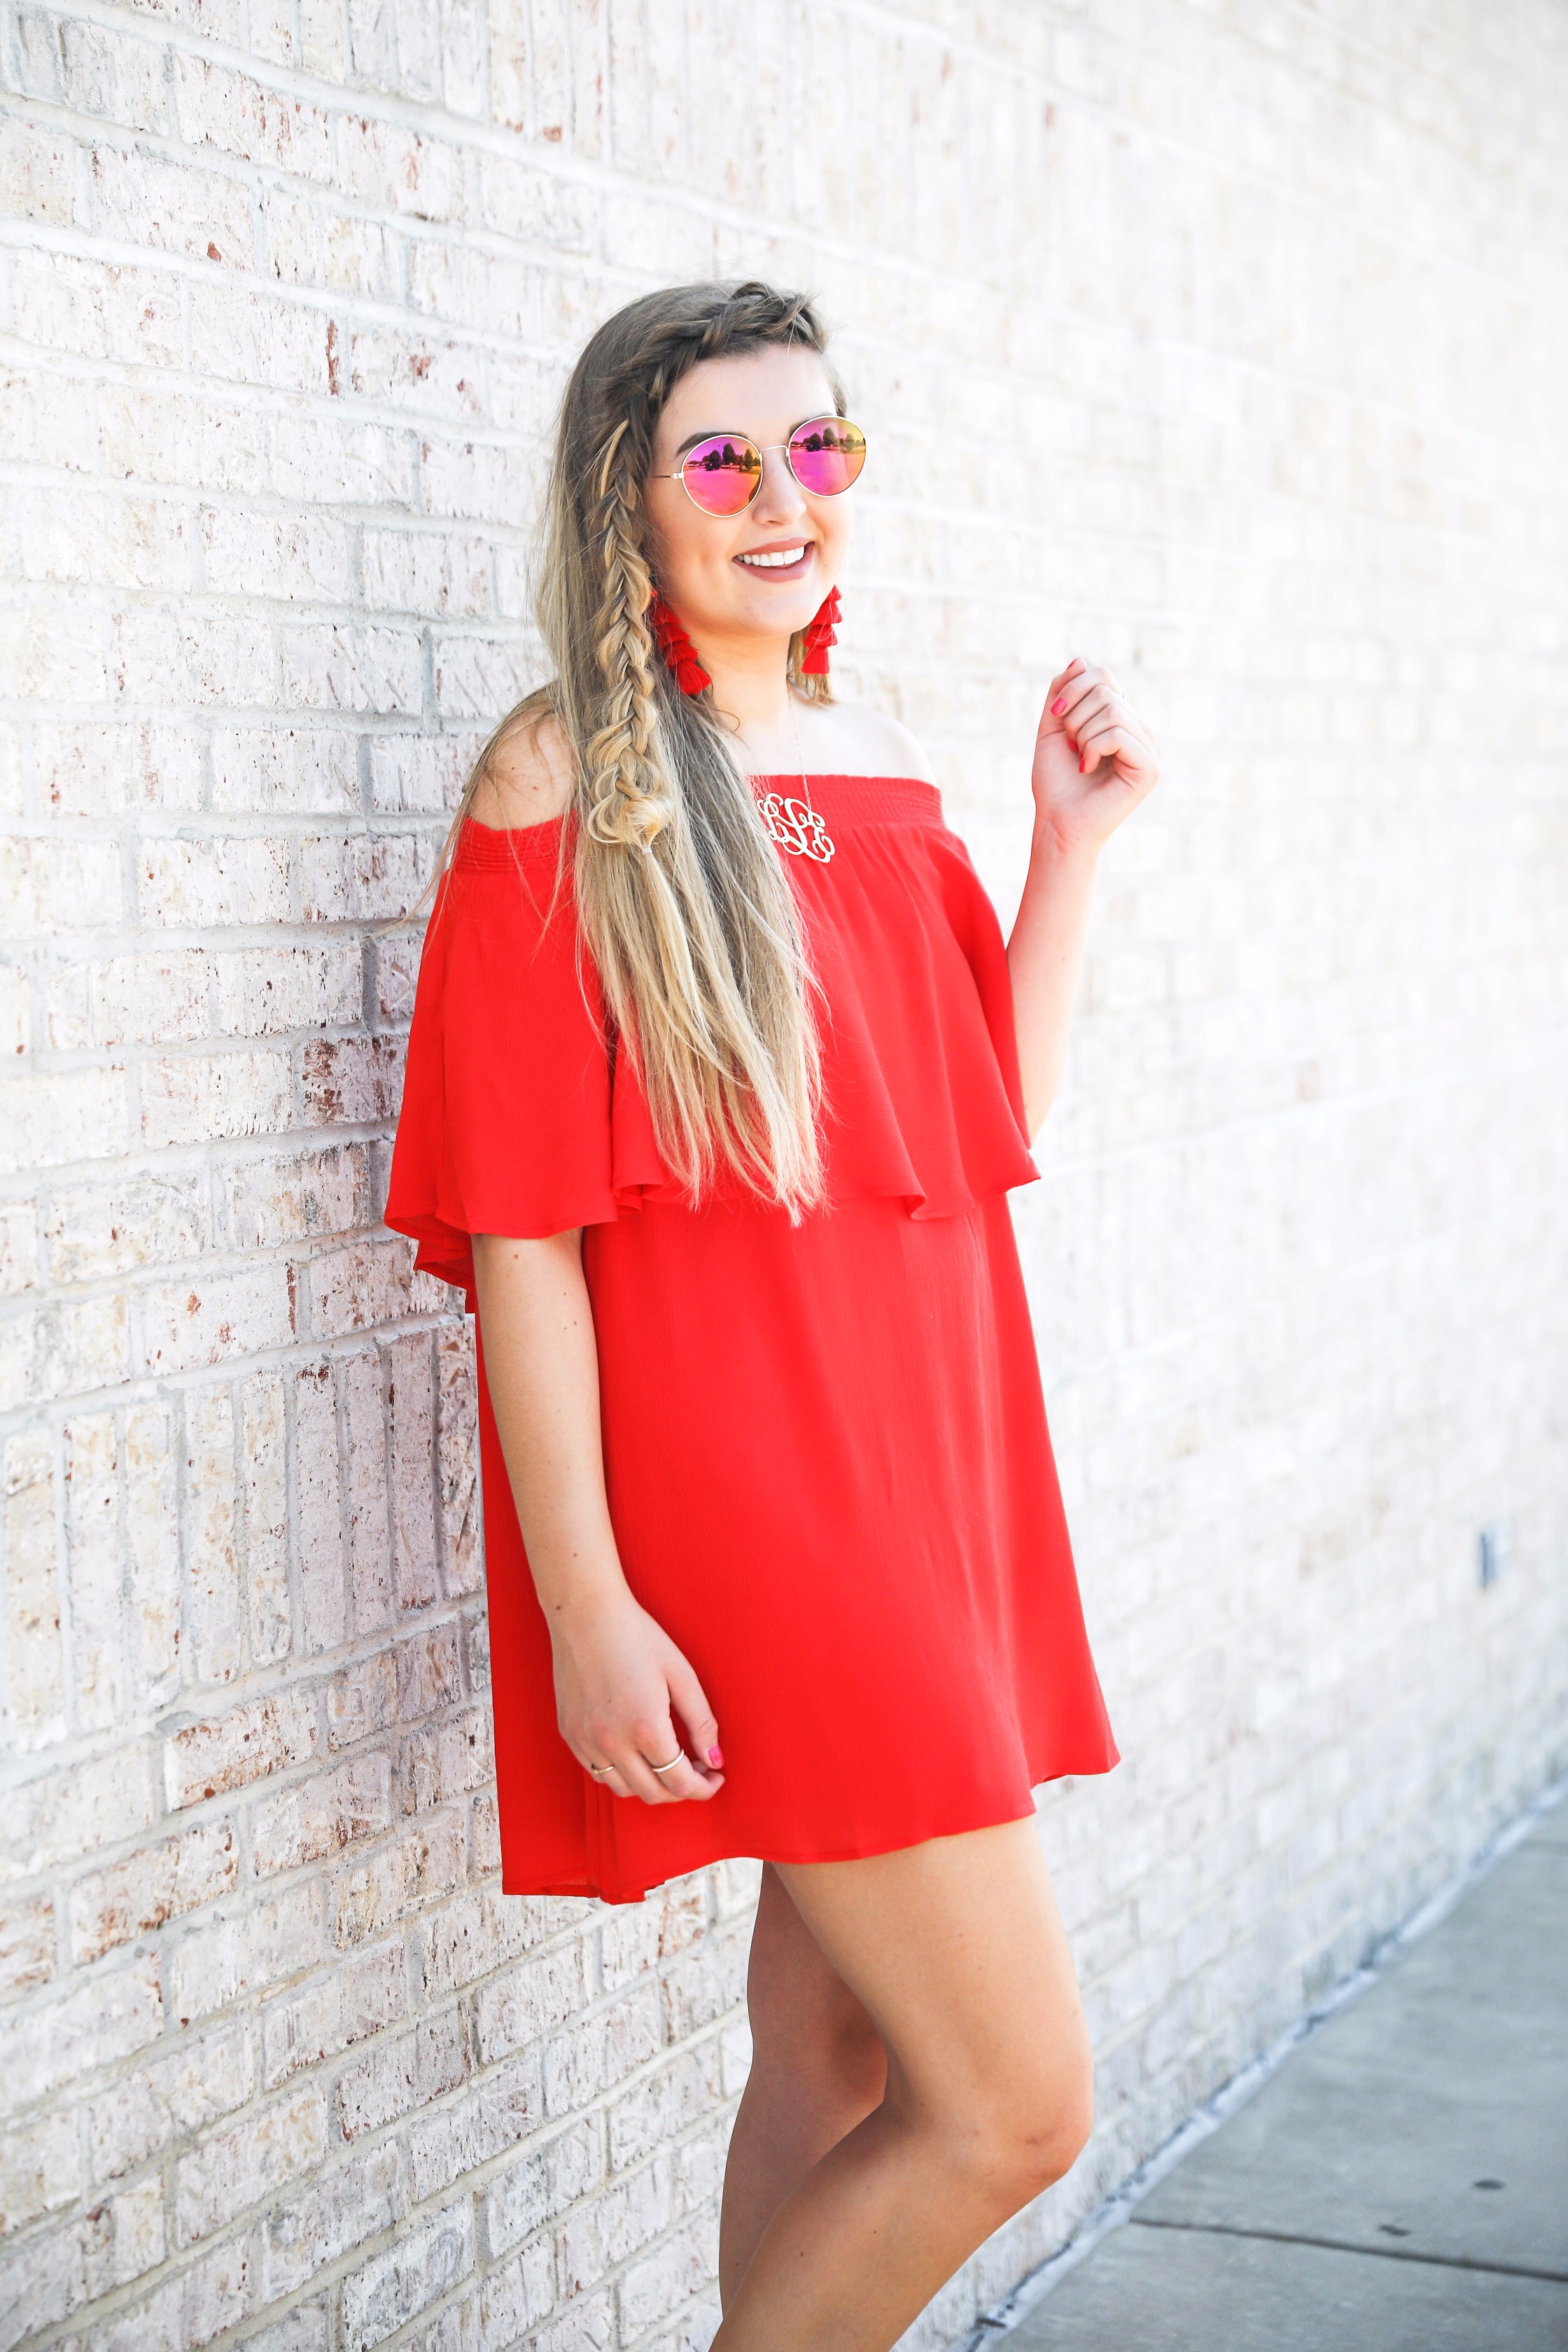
(1349, 2246)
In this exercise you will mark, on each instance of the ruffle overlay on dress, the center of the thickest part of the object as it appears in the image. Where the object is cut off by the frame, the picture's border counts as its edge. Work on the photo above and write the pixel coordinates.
(527, 1122)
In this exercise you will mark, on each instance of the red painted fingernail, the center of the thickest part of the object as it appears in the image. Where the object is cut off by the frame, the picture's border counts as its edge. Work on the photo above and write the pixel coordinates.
(1059, 706)
(715, 1756)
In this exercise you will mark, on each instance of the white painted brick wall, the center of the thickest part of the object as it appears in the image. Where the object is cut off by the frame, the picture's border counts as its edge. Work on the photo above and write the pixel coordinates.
(1268, 310)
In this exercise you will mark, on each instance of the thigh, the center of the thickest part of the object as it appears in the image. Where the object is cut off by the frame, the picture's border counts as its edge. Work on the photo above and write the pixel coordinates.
(799, 2005)
(957, 1952)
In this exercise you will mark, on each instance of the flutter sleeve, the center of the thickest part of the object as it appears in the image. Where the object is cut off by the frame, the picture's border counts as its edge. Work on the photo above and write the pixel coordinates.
(506, 1124)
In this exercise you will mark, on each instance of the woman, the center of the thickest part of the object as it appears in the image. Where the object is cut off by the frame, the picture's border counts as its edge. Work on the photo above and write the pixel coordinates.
(719, 1076)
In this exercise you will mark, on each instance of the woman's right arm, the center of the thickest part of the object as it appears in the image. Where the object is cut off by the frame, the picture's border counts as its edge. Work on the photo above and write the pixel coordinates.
(617, 1675)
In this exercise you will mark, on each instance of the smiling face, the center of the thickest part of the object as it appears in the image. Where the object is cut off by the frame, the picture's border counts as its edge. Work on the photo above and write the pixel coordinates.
(761, 574)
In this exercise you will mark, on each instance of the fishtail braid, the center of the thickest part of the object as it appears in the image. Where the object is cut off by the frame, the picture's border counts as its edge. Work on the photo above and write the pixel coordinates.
(625, 804)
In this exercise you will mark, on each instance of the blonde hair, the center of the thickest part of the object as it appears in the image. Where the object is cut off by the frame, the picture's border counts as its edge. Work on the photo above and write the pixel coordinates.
(681, 899)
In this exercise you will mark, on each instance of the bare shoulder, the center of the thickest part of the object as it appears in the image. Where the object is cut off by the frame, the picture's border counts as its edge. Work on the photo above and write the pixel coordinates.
(529, 780)
(869, 743)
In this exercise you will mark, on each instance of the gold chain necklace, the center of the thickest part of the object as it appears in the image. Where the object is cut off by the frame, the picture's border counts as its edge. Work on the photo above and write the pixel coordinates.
(794, 824)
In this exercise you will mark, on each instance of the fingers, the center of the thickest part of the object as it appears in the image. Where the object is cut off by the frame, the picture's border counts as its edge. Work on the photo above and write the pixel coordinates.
(632, 1757)
(691, 1704)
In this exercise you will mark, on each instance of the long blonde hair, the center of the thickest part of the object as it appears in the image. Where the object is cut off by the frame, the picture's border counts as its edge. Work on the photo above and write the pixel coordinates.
(681, 900)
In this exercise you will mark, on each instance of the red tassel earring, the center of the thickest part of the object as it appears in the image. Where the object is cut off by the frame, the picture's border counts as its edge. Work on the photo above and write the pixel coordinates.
(819, 636)
(676, 646)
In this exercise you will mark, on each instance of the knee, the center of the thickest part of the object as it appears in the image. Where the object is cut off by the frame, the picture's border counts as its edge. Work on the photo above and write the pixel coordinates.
(1027, 2134)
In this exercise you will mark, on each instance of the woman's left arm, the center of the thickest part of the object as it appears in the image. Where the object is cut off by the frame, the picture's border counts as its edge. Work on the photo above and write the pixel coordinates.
(1094, 761)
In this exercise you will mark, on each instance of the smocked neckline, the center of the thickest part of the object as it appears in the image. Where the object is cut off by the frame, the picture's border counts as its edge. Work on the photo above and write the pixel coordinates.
(764, 776)
(857, 798)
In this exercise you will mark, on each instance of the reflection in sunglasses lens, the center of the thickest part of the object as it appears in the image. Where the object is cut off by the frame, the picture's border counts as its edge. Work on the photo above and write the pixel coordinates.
(722, 474)
(826, 455)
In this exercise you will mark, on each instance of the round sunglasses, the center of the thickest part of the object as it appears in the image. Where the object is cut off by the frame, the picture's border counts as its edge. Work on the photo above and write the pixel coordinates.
(723, 474)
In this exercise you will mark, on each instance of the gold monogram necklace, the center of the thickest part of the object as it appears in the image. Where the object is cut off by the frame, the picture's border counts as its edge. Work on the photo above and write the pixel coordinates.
(794, 824)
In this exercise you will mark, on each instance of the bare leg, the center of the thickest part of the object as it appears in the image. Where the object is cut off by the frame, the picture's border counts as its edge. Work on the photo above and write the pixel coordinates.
(956, 1951)
(817, 2068)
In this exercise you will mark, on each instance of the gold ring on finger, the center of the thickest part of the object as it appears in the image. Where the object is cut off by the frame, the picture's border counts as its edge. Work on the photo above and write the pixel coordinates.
(679, 1757)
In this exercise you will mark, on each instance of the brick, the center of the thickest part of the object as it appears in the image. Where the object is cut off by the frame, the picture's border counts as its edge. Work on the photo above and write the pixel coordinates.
(54, 653)
(58, 886)
(40, 2171)
(207, 442)
(230, 1751)
(447, 1761)
(402, 2071)
(18, 1248)
(73, 1810)
(471, 1937)
(318, 1817)
(345, 665)
(308, 1192)
(52, 1120)
(369, 1526)
(152, 1549)
(527, 2004)
(261, 990)
(311, 769)
(111, 1227)
(201, 1096)
(363, 876)
(426, 572)
(40, 174)
(27, 1946)
(217, 108)
(140, 1894)
(310, 244)
(542, 2185)
(458, 1449)
(194, 884)
(34, 1653)
(318, 459)
(113, 541)
(421, 773)
(423, 177)
(357, 1288)
(398, 1880)
(412, 1401)
(92, 1552)
(207, 1318)
(617, 2225)
(264, 1469)
(348, 2204)
(102, 310)
(245, 1951)
(212, 657)
(606, 2046)
(237, 2167)
(142, 1000)
(495, 2111)
(407, 2278)
(141, 199)
(205, 2078)
(111, 2017)
(322, 1580)
(303, 558)
(95, 769)
(360, 1997)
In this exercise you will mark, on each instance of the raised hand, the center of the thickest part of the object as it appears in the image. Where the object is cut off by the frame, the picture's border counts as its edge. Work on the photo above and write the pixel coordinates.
(1094, 760)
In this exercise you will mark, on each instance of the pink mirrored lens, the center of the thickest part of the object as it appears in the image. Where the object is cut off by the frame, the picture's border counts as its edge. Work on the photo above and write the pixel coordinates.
(722, 474)
(826, 455)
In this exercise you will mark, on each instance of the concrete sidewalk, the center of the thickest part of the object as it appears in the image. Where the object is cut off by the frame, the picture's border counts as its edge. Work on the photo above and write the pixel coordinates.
(1400, 2185)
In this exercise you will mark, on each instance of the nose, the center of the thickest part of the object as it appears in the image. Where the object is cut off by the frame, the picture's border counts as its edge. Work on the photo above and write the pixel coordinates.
(780, 499)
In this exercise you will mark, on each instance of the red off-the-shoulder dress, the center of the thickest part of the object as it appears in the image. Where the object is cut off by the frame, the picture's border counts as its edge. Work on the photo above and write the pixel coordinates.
(824, 1446)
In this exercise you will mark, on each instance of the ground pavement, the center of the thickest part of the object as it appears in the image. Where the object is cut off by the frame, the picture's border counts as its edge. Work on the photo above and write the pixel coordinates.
(1400, 2185)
